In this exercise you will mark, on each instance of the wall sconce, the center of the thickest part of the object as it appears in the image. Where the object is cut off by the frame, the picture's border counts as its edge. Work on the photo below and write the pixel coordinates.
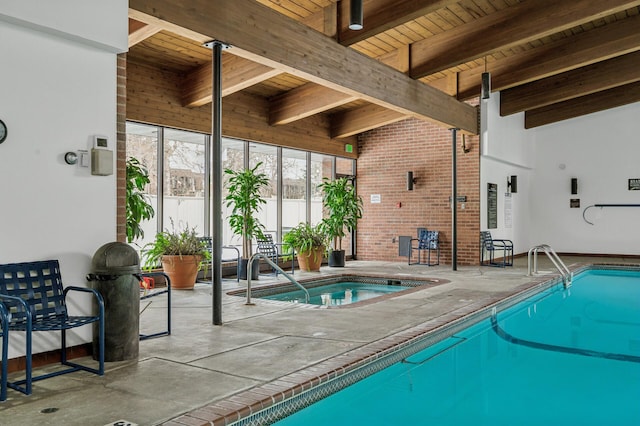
(486, 82)
(356, 16)
(410, 181)
(512, 184)
(465, 148)
(574, 186)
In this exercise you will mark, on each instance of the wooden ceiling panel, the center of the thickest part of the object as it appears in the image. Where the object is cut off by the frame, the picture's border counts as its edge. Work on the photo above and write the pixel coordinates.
(438, 22)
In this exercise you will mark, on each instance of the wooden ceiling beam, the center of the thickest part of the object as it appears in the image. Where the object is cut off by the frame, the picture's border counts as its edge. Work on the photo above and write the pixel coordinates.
(382, 15)
(360, 120)
(139, 31)
(612, 98)
(507, 28)
(313, 98)
(276, 41)
(605, 42)
(237, 74)
(305, 101)
(583, 81)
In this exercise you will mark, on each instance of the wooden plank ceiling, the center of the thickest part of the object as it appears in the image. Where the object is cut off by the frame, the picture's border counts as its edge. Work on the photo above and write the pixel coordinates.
(550, 59)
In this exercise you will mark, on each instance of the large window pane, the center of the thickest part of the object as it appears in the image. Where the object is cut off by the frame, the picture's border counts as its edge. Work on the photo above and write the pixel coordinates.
(232, 158)
(142, 144)
(268, 156)
(320, 168)
(294, 188)
(184, 161)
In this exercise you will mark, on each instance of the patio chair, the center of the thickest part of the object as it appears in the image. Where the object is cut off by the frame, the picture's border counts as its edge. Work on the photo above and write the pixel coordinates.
(208, 241)
(427, 241)
(273, 251)
(490, 246)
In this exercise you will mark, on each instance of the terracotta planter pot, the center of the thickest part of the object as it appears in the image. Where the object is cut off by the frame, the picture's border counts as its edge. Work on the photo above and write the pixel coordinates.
(311, 260)
(182, 270)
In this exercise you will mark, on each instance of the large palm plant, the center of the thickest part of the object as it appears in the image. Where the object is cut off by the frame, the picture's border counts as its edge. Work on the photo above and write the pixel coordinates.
(138, 207)
(245, 198)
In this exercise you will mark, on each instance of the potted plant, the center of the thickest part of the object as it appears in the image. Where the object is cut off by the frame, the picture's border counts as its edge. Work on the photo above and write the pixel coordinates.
(138, 207)
(245, 199)
(343, 208)
(181, 254)
(309, 243)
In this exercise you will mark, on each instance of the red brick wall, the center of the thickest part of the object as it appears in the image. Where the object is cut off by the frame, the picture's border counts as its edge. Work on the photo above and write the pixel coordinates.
(121, 136)
(386, 154)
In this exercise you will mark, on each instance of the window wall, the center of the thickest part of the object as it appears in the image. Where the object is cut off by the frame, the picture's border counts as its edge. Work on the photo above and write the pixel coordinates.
(179, 158)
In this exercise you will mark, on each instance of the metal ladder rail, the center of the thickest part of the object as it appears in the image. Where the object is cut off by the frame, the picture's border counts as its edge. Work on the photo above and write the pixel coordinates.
(270, 262)
(567, 275)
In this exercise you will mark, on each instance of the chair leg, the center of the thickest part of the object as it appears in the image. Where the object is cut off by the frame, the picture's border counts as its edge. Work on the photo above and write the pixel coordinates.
(5, 361)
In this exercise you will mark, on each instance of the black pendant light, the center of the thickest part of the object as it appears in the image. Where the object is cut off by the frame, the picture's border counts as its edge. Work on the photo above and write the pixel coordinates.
(356, 16)
(486, 82)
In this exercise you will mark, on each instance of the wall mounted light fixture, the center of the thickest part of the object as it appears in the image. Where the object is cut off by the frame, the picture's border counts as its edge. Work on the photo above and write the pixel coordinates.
(512, 184)
(574, 186)
(356, 16)
(486, 82)
(410, 181)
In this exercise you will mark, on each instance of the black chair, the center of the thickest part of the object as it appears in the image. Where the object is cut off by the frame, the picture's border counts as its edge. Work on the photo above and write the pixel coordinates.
(426, 241)
(209, 244)
(490, 246)
(273, 251)
(35, 298)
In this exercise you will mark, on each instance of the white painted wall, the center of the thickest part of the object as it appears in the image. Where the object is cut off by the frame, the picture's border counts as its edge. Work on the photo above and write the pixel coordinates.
(57, 92)
(506, 151)
(602, 150)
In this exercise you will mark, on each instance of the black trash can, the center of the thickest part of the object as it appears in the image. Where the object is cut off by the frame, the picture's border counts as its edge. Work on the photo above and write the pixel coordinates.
(114, 273)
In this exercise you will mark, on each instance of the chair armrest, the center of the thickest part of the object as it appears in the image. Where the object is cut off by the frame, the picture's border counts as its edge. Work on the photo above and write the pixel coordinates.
(504, 243)
(18, 302)
(95, 293)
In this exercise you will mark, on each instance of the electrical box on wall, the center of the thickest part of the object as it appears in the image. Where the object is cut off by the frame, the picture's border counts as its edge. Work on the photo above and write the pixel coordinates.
(101, 157)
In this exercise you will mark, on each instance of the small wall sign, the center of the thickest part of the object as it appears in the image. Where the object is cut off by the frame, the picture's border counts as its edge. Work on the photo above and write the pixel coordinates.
(634, 184)
(376, 199)
(574, 203)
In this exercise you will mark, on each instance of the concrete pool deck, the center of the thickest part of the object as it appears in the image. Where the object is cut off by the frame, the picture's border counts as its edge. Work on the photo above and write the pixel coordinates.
(263, 352)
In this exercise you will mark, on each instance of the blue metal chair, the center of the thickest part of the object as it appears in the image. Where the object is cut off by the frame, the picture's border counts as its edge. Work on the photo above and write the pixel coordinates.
(273, 250)
(4, 333)
(35, 298)
(490, 246)
(208, 241)
(426, 241)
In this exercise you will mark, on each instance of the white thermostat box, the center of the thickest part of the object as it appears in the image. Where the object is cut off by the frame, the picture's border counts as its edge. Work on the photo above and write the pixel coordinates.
(101, 157)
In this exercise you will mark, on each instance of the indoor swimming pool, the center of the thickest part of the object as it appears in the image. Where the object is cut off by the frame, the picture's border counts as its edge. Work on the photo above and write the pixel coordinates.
(563, 356)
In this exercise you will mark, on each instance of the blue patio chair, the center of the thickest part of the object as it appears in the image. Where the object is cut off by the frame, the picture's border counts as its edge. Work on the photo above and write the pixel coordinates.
(490, 246)
(35, 298)
(273, 251)
(427, 241)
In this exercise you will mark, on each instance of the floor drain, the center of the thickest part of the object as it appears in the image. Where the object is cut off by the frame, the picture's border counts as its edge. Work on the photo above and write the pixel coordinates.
(49, 410)
(122, 423)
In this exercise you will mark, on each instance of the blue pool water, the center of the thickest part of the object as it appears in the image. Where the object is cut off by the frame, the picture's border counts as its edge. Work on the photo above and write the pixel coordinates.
(562, 357)
(341, 293)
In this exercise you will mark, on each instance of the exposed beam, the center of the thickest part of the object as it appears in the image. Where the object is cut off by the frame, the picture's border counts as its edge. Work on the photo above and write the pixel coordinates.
(305, 101)
(382, 15)
(362, 119)
(571, 84)
(509, 27)
(139, 31)
(607, 41)
(618, 96)
(274, 40)
(312, 98)
(237, 74)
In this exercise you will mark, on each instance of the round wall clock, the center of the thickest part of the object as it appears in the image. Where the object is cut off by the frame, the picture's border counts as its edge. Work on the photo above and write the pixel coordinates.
(3, 131)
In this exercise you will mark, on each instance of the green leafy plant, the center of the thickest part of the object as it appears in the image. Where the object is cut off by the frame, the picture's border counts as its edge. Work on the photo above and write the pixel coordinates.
(304, 237)
(176, 243)
(343, 208)
(138, 208)
(245, 199)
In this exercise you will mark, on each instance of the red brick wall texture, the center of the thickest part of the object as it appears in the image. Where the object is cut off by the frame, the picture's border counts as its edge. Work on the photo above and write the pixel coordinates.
(386, 154)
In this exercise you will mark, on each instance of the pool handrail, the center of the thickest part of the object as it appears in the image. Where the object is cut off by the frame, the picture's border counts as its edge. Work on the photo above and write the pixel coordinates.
(567, 275)
(273, 265)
